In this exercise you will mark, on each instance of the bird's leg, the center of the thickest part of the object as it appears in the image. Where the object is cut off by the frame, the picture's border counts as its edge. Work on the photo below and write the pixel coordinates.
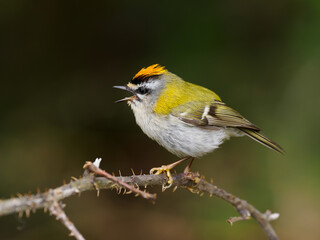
(187, 169)
(166, 169)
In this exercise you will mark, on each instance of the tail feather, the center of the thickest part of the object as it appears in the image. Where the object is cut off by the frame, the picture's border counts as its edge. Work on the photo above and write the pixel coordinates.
(260, 138)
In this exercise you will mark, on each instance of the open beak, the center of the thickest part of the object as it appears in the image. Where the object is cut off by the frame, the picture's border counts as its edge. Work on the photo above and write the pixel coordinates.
(127, 99)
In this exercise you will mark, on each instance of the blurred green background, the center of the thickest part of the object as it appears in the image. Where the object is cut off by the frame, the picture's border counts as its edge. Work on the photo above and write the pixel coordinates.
(59, 61)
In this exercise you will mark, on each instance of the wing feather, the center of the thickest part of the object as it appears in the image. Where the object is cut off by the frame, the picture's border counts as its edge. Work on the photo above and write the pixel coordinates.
(215, 114)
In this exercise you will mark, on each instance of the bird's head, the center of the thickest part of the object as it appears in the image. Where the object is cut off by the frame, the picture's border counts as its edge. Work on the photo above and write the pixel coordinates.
(146, 86)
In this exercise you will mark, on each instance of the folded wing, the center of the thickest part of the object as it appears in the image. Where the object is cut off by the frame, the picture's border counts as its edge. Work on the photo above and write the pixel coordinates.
(217, 114)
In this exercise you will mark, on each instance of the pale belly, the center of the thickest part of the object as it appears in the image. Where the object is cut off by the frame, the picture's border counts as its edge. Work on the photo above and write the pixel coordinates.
(180, 138)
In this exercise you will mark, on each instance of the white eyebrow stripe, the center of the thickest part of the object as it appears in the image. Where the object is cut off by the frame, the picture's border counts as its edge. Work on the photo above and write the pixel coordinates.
(205, 112)
(151, 84)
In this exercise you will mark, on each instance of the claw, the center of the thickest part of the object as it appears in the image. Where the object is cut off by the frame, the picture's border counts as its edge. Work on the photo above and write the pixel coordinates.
(163, 168)
(166, 169)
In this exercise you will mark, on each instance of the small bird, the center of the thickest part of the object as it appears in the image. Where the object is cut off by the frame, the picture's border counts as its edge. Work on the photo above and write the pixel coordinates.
(186, 119)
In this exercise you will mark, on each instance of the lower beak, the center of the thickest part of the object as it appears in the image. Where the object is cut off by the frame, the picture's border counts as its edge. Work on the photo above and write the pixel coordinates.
(127, 99)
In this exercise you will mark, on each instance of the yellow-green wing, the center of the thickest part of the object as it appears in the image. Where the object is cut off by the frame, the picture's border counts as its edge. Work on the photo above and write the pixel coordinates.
(215, 113)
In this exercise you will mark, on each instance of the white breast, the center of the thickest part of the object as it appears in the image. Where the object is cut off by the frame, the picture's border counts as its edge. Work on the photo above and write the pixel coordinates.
(178, 137)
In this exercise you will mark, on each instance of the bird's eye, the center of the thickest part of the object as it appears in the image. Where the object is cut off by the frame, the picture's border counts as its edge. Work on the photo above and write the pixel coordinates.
(142, 90)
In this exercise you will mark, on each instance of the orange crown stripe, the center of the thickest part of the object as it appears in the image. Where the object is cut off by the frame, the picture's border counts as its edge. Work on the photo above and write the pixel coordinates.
(154, 69)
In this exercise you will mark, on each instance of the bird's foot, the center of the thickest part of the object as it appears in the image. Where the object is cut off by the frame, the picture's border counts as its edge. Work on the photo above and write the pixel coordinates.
(166, 169)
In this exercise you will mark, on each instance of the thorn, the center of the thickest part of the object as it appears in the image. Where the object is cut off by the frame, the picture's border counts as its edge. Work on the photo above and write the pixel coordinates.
(19, 195)
(133, 172)
(113, 174)
(38, 190)
(64, 182)
(87, 164)
(97, 189)
(211, 180)
(20, 214)
(141, 172)
(45, 209)
(201, 194)
(120, 173)
(74, 178)
(137, 194)
(230, 222)
(129, 192)
(174, 188)
(28, 213)
(192, 190)
(210, 195)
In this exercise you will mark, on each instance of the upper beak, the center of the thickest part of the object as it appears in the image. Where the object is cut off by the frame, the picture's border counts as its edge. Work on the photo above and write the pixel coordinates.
(134, 97)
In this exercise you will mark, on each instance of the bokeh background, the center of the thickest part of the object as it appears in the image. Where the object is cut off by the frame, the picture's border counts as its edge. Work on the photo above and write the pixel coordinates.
(59, 61)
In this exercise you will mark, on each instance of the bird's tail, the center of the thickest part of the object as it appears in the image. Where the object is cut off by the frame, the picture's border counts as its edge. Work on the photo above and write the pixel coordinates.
(260, 138)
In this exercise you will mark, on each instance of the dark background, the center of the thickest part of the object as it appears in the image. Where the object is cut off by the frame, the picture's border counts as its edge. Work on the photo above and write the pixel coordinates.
(59, 61)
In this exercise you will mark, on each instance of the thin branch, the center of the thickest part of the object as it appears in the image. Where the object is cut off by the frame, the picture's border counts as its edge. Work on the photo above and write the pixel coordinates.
(245, 209)
(56, 210)
(191, 181)
(95, 169)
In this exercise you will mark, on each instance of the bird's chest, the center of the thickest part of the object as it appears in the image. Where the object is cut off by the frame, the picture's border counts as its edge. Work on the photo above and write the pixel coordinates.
(178, 137)
(150, 124)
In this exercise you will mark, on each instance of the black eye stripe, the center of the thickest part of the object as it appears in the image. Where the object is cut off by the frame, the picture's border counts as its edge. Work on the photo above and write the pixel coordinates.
(142, 90)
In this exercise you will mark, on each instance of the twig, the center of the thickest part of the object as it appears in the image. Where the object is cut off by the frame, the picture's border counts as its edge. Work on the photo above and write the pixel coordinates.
(191, 181)
(245, 209)
(56, 210)
(93, 168)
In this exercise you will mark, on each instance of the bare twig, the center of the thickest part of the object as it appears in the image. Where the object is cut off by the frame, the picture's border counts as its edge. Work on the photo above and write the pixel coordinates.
(244, 209)
(93, 168)
(191, 181)
(56, 210)
(232, 220)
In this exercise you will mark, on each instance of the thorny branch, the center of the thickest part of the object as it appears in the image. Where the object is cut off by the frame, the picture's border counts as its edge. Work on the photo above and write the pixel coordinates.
(88, 182)
(56, 209)
(93, 168)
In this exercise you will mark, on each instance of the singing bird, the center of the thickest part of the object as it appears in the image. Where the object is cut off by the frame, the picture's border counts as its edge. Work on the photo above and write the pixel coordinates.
(186, 119)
